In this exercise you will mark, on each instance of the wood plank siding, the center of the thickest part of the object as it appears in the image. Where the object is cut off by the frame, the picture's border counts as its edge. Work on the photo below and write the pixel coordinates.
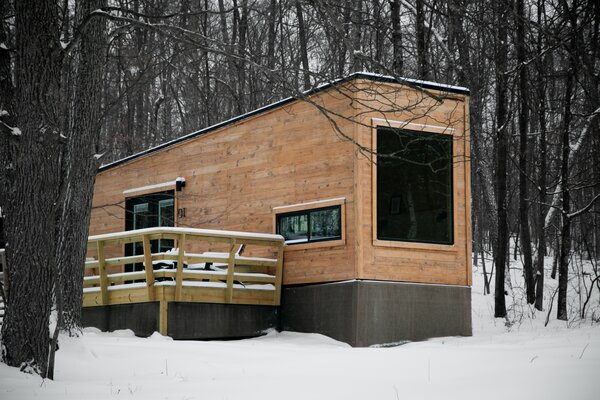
(428, 111)
(238, 174)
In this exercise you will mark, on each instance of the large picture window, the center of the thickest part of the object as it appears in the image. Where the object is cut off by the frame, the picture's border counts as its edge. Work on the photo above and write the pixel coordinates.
(414, 186)
(313, 225)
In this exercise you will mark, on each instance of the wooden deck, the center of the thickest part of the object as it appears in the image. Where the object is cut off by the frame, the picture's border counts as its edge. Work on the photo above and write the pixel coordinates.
(182, 275)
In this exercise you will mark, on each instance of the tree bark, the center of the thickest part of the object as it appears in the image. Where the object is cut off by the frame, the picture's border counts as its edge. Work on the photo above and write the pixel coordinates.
(501, 157)
(397, 64)
(80, 167)
(33, 185)
(303, 46)
(379, 28)
(565, 232)
(422, 63)
(541, 251)
(356, 56)
(272, 36)
(523, 142)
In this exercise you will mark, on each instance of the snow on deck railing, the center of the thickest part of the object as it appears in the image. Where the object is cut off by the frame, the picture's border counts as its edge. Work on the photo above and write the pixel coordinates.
(186, 272)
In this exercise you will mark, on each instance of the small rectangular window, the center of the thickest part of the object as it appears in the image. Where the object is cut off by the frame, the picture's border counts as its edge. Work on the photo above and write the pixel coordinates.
(315, 225)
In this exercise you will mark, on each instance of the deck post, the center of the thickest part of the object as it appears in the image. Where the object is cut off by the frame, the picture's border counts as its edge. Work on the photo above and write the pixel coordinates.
(180, 259)
(163, 317)
(148, 267)
(102, 272)
(230, 272)
(278, 274)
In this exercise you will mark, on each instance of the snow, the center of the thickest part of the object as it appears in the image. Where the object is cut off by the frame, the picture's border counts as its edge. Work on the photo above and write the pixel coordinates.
(294, 241)
(155, 186)
(266, 286)
(404, 124)
(311, 203)
(500, 361)
(210, 232)
(417, 82)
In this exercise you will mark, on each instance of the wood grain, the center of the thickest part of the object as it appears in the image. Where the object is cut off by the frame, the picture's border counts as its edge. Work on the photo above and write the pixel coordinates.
(237, 174)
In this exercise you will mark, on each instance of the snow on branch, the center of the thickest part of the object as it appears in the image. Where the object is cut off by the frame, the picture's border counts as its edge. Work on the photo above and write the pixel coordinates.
(13, 130)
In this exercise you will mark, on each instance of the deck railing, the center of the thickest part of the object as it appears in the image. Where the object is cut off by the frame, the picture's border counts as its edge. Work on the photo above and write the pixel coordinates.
(215, 277)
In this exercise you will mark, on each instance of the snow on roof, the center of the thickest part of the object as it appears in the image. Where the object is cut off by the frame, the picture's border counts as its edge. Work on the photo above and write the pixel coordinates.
(417, 82)
(356, 75)
(155, 186)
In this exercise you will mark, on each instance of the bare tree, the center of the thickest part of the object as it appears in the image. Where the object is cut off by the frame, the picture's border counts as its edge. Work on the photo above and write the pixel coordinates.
(501, 8)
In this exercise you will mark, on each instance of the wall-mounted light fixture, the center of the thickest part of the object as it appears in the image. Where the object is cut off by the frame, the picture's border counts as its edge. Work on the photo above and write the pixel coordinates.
(179, 184)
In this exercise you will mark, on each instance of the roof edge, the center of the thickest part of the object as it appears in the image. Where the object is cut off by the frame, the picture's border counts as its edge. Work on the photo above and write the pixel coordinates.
(356, 75)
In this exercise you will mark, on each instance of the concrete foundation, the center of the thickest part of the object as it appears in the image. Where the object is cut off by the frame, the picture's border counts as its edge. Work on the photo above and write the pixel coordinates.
(141, 318)
(361, 313)
(219, 321)
(364, 313)
(185, 320)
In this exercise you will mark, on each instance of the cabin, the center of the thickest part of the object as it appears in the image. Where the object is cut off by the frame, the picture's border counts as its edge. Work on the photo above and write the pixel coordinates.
(344, 211)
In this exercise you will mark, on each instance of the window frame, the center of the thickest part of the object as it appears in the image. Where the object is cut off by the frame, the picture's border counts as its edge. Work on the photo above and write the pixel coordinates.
(307, 208)
(427, 129)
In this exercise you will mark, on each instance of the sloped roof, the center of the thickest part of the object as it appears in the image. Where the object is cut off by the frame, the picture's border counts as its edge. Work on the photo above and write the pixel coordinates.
(356, 75)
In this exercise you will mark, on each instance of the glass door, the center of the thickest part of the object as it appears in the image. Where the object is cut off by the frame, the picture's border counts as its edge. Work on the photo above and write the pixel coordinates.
(147, 211)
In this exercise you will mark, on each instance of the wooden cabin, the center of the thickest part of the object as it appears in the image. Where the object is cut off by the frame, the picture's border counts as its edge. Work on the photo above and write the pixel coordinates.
(365, 179)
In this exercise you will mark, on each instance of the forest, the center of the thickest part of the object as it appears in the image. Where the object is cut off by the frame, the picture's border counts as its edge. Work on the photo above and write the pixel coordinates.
(84, 83)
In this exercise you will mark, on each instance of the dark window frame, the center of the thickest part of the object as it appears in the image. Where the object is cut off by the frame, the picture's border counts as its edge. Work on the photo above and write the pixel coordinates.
(153, 200)
(308, 212)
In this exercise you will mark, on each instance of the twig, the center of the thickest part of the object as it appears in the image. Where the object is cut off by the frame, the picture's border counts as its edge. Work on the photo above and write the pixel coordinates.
(583, 351)
(550, 308)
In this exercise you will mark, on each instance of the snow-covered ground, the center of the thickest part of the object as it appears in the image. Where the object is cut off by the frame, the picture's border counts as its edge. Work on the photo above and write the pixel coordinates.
(524, 360)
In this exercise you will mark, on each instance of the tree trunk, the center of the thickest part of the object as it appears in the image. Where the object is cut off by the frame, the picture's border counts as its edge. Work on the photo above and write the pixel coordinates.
(501, 158)
(422, 62)
(303, 46)
(523, 177)
(33, 184)
(79, 174)
(541, 251)
(81, 165)
(241, 64)
(356, 56)
(207, 89)
(565, 232)
(379, 29)
(271, 37)
(397, 64)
